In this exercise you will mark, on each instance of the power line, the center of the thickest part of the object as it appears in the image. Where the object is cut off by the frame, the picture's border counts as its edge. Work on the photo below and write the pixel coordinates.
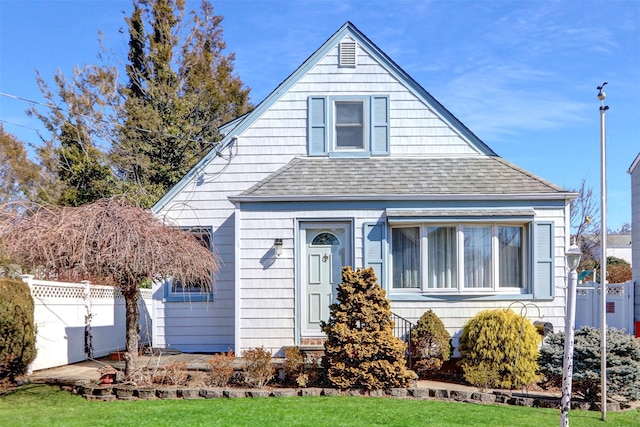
(19, 125)
(115, 124)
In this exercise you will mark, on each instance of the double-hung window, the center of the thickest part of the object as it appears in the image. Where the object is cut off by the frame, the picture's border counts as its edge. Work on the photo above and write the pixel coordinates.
(349, 129)
(460, 258)
(348, 125)
(175, 290)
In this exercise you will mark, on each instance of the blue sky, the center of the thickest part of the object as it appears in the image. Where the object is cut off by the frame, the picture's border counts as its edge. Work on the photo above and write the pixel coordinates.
(522, 75)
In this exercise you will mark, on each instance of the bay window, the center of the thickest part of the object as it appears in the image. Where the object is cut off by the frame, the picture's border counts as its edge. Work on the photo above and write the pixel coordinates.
(406, 259)
(442, 267)
(460, 257)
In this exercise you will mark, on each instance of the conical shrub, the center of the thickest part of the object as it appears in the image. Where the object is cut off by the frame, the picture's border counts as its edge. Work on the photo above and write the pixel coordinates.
(361, 350)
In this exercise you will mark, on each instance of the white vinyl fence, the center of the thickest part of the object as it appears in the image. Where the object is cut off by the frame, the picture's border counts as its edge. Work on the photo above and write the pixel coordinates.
(620, 305)
(70, 318)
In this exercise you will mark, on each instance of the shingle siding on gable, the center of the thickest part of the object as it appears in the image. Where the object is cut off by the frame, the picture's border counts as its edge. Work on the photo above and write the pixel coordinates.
(414, 128)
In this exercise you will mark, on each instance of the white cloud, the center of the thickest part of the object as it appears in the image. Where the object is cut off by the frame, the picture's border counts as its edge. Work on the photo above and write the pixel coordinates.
(501, 100)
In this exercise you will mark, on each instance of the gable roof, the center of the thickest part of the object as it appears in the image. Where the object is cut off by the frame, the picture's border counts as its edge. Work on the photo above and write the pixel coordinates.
(391, 178)
(240, 124)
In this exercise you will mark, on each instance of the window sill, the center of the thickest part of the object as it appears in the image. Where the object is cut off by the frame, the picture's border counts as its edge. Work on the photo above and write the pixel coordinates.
(188, 297)
(362, 154)
(421, 296)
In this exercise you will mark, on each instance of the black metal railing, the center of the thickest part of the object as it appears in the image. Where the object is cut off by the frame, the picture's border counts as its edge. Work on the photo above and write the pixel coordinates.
(402, 329)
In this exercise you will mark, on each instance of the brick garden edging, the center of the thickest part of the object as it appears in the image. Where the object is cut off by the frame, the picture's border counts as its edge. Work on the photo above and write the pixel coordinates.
(129, 392)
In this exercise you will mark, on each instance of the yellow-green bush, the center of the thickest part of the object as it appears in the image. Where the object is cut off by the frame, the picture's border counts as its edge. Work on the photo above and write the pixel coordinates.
(499, 348)
(17, 329)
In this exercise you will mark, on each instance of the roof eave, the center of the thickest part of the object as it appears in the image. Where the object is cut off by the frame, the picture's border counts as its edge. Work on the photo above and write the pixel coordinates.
(634, 164)
(398, 197)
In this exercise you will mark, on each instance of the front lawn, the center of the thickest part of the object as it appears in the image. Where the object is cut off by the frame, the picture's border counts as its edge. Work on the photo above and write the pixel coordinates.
(39, 405)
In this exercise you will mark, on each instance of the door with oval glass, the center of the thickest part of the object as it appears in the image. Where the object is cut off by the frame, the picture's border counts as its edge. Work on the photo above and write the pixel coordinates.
(326, 250)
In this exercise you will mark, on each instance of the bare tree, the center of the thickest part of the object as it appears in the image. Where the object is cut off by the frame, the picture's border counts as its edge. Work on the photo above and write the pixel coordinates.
(585, 225)
(109, 241)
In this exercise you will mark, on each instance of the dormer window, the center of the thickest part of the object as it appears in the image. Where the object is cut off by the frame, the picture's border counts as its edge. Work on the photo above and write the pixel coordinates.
(348, 125)
(349, 120)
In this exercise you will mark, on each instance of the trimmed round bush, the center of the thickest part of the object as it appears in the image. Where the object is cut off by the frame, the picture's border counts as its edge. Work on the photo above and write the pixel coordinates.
(499, 348)
(17, 329)
(623, 363)
(431, 344)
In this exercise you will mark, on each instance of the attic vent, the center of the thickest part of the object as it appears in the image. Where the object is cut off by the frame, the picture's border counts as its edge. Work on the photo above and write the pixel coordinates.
(348, 53)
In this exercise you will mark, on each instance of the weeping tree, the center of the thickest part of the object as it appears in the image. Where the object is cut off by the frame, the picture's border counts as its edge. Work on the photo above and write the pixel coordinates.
(109, 241)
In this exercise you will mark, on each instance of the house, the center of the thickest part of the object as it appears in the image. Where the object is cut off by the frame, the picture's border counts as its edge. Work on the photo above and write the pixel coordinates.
(618, 246)
(349, 161)
(634, 171)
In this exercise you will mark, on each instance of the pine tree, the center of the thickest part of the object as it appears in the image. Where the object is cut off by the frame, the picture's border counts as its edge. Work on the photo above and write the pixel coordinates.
(172, 114)
(72, 164)
(81, 166)
(623, 362)
(141, 136)
(18, 174)
(361, 350)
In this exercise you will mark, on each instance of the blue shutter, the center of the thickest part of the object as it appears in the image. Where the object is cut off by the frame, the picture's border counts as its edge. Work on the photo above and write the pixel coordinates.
(379, 125)
(317, 125)
(374, 239)
(543, 275)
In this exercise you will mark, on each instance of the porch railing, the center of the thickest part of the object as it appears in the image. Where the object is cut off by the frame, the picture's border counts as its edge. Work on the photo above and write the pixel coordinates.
(402, 329)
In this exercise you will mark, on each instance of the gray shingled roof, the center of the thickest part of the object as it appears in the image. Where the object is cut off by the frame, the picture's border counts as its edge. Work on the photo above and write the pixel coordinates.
(381, 177)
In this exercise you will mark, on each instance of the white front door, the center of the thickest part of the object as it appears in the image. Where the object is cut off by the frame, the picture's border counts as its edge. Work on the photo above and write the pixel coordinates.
(326, 249)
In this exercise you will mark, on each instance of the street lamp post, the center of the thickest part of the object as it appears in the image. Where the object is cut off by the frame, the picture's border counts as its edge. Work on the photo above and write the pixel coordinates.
(573, 260)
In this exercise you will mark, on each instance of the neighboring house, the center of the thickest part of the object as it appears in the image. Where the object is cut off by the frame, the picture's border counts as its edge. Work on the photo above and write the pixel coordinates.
(349, 161)
(634, 171)
(618, 245)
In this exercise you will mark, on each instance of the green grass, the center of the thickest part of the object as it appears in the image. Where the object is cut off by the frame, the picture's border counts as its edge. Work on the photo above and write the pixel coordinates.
(40, 405)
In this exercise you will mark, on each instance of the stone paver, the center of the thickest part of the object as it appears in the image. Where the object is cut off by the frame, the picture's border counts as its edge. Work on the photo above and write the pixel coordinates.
(85, 375)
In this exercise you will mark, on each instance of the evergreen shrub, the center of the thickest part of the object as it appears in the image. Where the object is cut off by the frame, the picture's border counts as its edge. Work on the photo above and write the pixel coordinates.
(623, 363)
(17, 328)
(499, 348)
(361, 350)
(431, 344)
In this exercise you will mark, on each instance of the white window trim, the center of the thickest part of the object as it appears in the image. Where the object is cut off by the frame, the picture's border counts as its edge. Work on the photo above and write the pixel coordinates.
(460, 289)
(364, 101)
